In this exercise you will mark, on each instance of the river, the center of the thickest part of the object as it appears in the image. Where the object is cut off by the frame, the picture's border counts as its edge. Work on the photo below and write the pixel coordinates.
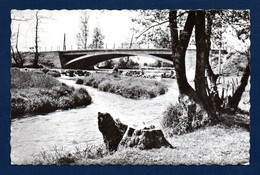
(68, 129)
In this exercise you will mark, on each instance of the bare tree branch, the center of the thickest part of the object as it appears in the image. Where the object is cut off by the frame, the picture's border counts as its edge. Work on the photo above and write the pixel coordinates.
(150, 28)
(157, 24)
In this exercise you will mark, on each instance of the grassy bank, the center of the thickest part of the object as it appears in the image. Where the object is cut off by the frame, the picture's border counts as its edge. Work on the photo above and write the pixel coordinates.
(129, 87)
(211, 145)
(36, 93)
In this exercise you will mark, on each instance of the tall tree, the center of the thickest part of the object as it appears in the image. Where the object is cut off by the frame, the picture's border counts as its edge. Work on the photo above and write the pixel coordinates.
(97, 41)
(36, 56)
(202, 94)
(38, 20)
(82, 36)
(204, 24)
(15, 53)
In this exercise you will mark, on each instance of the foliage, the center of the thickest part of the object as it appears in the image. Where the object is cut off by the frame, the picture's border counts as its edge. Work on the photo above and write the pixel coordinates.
(97, 41)
(79, 81)
(176, 121)
(127, 63)
(234, 22)
(135, 88)
(109, 64)
(154, 28)
(34, 93)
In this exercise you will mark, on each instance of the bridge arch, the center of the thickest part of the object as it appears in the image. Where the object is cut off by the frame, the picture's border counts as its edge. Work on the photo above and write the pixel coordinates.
(89, 60)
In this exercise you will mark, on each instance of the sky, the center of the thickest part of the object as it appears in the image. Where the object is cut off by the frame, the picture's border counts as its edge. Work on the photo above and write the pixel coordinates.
(115, 26)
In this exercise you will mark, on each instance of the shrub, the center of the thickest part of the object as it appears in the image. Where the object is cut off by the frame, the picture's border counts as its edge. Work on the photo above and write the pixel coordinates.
(173, 121)
(128, 87)
(105, 86)
(54, 73)
(45, 70)
(183, 118)
(79, 81)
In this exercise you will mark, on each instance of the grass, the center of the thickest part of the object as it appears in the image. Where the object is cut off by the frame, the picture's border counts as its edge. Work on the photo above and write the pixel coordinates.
(211, 145)
(129, 87)
(35, 93)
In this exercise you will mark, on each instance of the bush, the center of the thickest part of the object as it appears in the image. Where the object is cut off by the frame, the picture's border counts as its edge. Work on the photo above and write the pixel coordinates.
(54, 73)
(183, 118)
(128, 87)
(45, 70)
(79, 81)
(173, 121)
(105, 86)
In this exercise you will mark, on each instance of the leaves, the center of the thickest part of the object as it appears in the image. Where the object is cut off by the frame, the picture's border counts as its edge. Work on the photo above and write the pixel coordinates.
(98, 38)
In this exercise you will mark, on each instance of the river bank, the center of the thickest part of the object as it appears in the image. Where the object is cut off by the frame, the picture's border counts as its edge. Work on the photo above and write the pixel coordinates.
(36, 93)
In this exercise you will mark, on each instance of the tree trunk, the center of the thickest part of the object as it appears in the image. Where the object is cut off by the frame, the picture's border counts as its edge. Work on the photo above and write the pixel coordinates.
(213, 90)
(200, 78)
(14, 56)
(17, 57)
(179, 47)
(36, 56)
(235, 99)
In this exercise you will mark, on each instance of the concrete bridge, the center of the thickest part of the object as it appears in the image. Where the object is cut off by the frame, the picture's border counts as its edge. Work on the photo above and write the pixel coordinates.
(82, 59)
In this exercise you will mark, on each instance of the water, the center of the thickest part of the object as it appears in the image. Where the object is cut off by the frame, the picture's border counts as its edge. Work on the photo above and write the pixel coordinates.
(79, 127)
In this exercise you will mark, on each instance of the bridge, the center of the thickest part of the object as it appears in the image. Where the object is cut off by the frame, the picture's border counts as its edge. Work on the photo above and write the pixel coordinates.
(83, 59)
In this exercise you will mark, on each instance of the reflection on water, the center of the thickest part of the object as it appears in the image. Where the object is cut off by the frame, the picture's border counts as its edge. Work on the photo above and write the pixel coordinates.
(78, 127)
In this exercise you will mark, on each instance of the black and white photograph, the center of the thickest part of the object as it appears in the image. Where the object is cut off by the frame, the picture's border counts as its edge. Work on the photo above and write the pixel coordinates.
(130, 87)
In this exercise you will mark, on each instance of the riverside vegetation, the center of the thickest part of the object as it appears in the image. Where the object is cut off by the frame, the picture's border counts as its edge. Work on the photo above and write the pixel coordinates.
(129, 87)
(217, 144)
(37, 93)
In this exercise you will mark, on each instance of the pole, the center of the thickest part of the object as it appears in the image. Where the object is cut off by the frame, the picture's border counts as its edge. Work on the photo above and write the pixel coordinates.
(64, 42)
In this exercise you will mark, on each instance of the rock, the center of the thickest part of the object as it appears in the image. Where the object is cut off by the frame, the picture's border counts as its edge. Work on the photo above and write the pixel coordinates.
(144, 139)
(117, 134)
(112, 130)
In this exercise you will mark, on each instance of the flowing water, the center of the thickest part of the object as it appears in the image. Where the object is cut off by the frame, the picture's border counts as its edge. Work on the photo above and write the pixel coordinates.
(73, 128)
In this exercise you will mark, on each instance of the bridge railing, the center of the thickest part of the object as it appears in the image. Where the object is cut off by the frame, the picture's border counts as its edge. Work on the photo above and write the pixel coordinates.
(105, 46)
